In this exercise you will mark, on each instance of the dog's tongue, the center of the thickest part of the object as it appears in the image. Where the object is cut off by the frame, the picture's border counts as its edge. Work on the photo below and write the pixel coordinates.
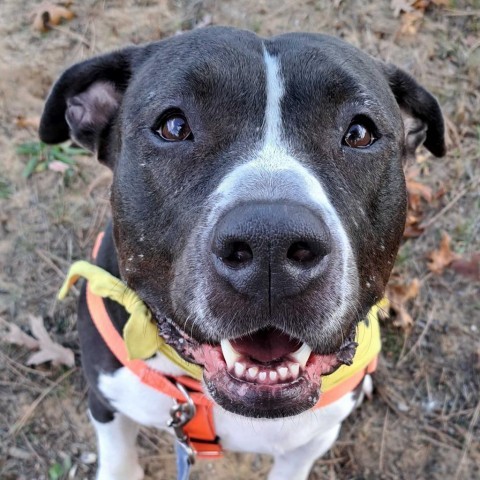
(266, 345)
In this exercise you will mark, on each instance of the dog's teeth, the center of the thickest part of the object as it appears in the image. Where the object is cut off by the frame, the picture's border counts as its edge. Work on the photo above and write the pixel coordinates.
(273, 376)
(252, 372)
(229, 353)
(282, 372)
(302, 354)
(294, 369)
(239, 369)
(262, 376)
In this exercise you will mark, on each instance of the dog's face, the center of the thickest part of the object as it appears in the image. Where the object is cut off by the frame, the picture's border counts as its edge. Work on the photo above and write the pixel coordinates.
(258, 196)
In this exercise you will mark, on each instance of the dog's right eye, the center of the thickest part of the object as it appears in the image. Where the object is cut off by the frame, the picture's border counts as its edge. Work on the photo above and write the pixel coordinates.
(174, 127)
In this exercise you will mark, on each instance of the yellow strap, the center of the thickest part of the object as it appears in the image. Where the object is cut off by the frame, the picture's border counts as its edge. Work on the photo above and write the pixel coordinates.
(142, 339)
(140, 332)
(369, 346)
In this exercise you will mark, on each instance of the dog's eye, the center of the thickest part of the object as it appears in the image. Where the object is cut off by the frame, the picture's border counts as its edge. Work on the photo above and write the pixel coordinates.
(174, 128)
(358, 136)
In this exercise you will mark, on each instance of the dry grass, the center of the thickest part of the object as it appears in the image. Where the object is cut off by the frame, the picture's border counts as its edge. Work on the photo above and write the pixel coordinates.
(423, 419)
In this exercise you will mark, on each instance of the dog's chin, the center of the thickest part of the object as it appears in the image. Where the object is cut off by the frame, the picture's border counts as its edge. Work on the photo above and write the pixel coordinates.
(264, 374)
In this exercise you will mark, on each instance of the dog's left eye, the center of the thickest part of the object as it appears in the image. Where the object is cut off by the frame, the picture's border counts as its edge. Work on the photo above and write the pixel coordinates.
(174, 128)
(359, 135)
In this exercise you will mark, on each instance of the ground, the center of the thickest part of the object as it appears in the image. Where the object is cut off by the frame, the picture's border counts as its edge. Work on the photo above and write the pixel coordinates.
(422, 421)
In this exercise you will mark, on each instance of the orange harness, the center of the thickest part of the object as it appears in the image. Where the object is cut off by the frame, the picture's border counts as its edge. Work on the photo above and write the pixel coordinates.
(200, 430)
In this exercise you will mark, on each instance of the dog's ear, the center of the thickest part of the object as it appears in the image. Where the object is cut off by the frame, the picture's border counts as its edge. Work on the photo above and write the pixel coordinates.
(84, 101)
(421, 113)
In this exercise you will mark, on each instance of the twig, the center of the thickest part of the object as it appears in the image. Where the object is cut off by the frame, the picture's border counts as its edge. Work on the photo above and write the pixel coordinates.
(468, 441)
(331, 461)
(18, 425)
(462, 13)
(72, 34)
(450, 204)
(447, 416)
(384, 396)
(382, 445)
(49, 262)
(17, 368)
(52, 265)
(420, 337)
(438, 443)
(53, 257)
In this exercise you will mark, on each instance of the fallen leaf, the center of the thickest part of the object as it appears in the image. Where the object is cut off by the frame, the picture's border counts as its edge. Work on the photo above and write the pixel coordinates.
(399, 6)
(17, 336)
(49, 350)
(410, 23)
(412, 225)
(399, 293)
(27, 122)
(421, 4)
(417, 188)
(48, 14)
(413, 231)
(443, 257)
(468, 268)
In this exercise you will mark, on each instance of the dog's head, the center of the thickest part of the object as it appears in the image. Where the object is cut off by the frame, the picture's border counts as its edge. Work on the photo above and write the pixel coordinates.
(258, 196)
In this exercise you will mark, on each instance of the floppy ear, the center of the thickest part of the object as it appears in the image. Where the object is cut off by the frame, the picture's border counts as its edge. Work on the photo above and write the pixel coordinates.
(421, 113)
(84, 101)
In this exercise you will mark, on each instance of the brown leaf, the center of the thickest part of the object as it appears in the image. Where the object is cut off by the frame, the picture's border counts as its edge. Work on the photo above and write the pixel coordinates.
(27, 122)
(417, 188)
(49, 350)
(17, 336)
(412, 225)
(441, 258)
(410, 23)
(399, 6)
(468, 268)
(416, 191)
(48, 14)
(421, 4)
(399, 294)
(413, 231)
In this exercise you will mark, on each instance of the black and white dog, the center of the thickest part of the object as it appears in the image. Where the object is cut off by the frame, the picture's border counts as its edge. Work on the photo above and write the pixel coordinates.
(258, 201)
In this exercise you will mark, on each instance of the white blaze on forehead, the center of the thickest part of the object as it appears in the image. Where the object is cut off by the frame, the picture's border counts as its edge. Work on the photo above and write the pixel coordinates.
(275, 91)
(274, 173)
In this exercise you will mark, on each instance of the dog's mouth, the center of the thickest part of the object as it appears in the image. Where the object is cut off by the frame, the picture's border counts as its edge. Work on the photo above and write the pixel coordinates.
(266, 373)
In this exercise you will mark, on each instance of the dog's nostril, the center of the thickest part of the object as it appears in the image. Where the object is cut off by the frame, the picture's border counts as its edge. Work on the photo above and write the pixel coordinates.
(301, 252)
(238, 255)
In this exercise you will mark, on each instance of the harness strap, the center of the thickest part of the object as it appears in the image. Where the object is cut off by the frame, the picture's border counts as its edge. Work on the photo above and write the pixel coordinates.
(346, 386)
(200, 429)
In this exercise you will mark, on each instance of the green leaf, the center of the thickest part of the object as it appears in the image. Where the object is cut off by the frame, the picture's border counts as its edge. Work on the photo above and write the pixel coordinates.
(30, 167)
(56, 471)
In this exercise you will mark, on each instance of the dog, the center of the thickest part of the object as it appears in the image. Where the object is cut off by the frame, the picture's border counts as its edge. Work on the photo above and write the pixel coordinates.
(258, 203)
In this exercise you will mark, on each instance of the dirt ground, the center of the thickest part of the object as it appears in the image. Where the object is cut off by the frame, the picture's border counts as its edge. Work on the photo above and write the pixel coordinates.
(422, 422)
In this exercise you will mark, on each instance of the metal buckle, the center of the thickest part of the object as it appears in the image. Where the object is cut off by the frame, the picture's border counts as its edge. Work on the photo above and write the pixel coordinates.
(181, 414)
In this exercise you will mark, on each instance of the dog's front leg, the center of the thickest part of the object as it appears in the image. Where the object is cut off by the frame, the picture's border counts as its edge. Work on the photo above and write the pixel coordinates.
(117, 455)
(116, 437)
(296, 464)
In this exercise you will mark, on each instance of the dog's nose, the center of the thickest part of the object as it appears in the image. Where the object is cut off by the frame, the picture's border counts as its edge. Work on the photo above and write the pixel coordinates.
(270, 250)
